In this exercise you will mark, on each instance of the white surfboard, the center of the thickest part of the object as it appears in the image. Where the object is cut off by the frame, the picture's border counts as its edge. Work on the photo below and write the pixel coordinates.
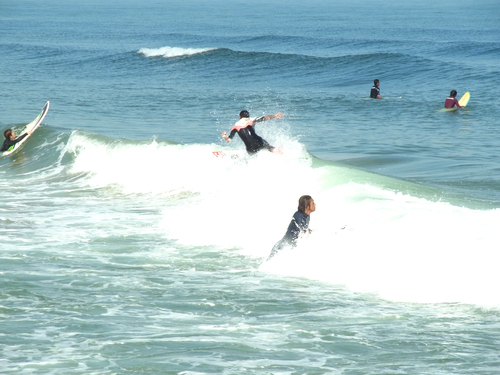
(33, 125)
(235, 154)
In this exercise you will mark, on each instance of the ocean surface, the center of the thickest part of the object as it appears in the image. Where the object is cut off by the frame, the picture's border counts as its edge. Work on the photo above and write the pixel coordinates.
(128, 247)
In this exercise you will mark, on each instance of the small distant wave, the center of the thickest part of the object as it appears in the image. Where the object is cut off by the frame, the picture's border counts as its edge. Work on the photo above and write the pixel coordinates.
(172, 51)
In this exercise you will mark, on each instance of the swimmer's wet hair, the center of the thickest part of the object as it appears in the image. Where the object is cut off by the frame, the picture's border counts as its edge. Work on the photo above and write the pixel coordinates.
(244, 114)
(304, 202)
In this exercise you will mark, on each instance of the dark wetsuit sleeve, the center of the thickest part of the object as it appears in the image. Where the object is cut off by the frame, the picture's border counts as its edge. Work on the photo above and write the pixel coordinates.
(260, 119)
(8, 143)
(20, 138)
(233, 132)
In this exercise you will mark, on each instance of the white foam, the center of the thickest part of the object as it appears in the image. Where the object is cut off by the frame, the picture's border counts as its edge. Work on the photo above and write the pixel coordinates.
(396, 245)
(172, 51)
(400, 247)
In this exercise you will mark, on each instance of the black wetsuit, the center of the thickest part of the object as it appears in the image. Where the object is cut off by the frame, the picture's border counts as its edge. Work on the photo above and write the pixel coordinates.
(298, 225)
(375, 92)
(8, 143)
(246, 131)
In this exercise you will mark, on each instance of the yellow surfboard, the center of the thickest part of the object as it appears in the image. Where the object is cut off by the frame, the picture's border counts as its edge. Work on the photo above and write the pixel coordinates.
(464, 99)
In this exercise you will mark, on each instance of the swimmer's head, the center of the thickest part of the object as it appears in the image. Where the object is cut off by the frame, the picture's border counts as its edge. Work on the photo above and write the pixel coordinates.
(304, 203)
(376, 82)
(7, 134)
(244, 114)
(453, 93)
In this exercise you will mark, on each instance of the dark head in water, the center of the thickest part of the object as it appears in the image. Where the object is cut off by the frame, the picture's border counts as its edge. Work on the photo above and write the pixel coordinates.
(8, 134)
(453, 93)
(244, 114)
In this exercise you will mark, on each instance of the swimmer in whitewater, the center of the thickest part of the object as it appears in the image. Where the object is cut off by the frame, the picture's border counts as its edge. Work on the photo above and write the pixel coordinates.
(245, 129)
(298, 227)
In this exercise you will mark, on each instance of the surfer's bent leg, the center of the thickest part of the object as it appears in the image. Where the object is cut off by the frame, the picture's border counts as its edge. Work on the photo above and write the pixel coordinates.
(268, 146)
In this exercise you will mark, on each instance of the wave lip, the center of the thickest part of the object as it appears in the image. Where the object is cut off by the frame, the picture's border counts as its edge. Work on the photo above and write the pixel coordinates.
(172, 51)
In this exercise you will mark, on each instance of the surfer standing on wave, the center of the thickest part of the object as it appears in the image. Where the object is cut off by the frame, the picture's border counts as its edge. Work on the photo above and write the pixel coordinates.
(10, 139)
(299, 226)
(451, 101)
(245, 129)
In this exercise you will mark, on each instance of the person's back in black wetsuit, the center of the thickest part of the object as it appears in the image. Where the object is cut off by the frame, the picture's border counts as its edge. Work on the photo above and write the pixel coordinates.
(246, 131)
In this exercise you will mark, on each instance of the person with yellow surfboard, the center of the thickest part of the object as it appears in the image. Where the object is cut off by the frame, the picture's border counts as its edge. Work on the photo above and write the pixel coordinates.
(451, 101)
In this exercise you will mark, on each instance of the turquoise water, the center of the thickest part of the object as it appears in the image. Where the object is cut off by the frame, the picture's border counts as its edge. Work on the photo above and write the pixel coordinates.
(128, 248)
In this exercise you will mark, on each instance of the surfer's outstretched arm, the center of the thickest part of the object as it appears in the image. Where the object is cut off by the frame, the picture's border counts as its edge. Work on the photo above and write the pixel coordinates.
(268, 117)
(277, 115)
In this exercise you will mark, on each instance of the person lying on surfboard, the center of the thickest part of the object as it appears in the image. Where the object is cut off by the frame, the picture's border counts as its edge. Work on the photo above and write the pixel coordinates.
(11, 140)
(245, 129)
(451, 101)
(298, 227)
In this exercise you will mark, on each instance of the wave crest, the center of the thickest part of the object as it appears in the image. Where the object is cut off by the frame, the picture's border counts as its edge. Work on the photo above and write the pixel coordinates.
(172, 51)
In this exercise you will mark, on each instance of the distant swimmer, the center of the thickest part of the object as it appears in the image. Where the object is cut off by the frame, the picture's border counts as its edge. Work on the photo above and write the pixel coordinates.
(375, 91)
(452, 101)
(245, 129)
(11, 140)
(298, 227)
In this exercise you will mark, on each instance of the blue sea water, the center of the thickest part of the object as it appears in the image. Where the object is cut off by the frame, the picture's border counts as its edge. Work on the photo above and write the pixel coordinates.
(127, 247)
